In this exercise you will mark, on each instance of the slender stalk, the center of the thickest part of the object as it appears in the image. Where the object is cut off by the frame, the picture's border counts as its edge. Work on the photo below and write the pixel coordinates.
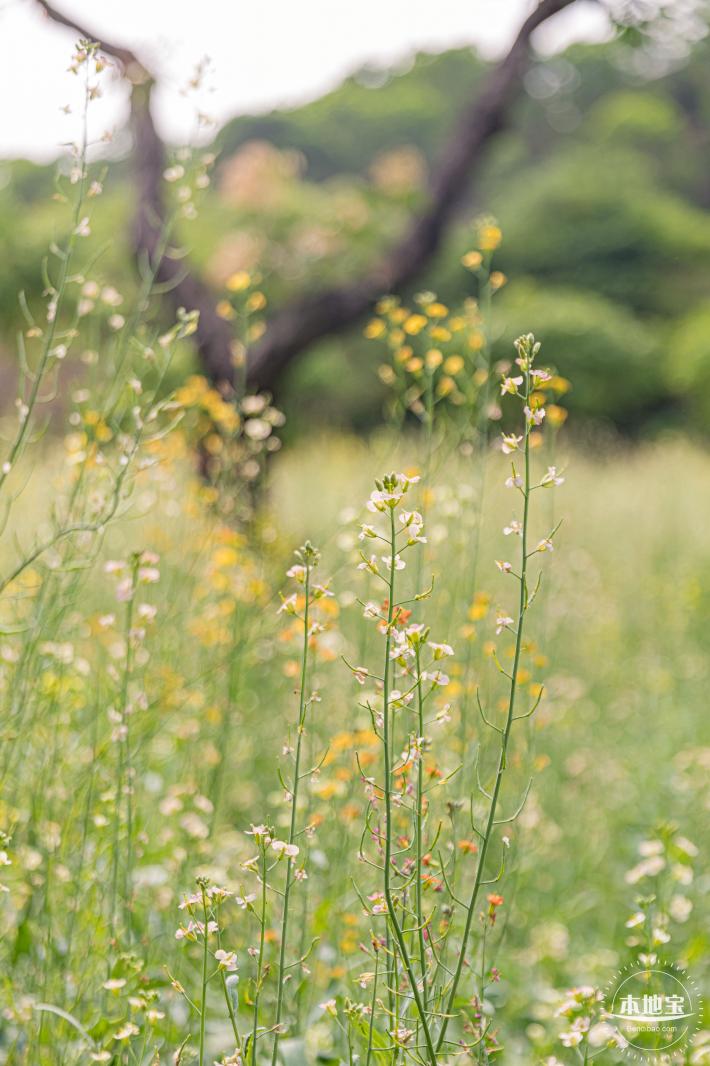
(260, 961)
(419, 827)
(230, 1010)
(205, 960)
(373, 1003)
(294, 803)
(502, 758)
(123, 767)
(66, 258)
(389, 828)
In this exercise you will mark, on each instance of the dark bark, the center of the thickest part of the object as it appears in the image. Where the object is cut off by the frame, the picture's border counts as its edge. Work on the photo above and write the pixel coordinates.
(308, 319)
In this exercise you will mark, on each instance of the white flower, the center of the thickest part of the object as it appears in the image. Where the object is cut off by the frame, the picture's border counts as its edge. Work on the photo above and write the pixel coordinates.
(298, 572)
(413, 524)
(680, 908)
(514, 526)
(436, 677)
(126, 1031)
(366, 531)
(257, 428)
(393, 489)
(282, 848)
(148, 574)
(510, 443)
(227, 960)
(515, 481)
(504, 567)
(534, 417)
(552, 477)
(361, 673)
(111, 297)
(502, 622)
(288, 605)
(399, 563)
(244, 901)
(545, 545)
(369, 564)
(646, 868)
(441, 650)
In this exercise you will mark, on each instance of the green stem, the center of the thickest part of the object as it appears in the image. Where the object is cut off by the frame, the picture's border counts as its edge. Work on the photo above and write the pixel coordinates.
(260, 963)
(230, 1009)
(522, 606)
(294, 802)
(205, 957)
(373, 1002)
(389, 898)
(419, 826)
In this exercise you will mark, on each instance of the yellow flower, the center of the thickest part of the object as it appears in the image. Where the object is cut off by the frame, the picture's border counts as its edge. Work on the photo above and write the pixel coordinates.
(225, 556)
(415, 324)
(446, 386)
(414, 365)
(225, 309)
(472, 260)
(386, 374)
(497, 280)
(256, 330)
(440, 333)
(434, 358)
(374, 328)
(489, 237)
(454, 364)
(559, 385)
(479, 607)
(556, 415)
(256, 302)
(437, 310)
(239, 281)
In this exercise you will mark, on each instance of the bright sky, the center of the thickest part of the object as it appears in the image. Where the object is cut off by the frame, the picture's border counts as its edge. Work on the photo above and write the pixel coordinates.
(264, 53)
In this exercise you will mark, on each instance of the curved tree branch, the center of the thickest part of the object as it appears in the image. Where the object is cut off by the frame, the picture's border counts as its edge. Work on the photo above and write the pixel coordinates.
(293, 329)
(307, 320)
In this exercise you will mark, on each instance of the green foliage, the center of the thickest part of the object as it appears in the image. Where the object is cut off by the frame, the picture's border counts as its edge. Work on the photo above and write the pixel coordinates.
(588, 339)
(686, 364)
(600, 184)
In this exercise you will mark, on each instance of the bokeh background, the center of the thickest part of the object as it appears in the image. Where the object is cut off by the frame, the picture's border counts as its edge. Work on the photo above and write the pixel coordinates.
(600, 182)
(326, 125)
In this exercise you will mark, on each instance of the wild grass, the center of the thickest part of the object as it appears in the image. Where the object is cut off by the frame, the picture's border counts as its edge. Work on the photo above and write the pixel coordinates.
(619, 747)
(380, 801)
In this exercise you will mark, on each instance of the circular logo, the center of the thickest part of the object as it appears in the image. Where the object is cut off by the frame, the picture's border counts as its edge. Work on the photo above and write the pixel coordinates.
(654, 1007)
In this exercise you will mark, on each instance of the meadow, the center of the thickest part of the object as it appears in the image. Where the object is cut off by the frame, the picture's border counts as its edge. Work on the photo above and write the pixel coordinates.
(372, 750)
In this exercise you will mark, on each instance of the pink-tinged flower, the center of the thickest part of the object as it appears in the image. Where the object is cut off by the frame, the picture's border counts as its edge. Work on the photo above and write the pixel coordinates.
(510, 385)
